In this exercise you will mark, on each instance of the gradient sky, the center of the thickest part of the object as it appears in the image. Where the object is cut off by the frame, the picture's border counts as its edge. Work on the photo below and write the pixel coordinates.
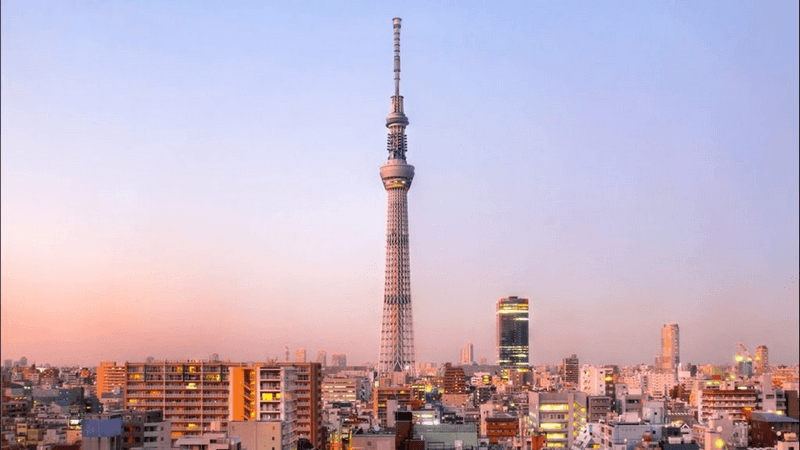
(182, 178)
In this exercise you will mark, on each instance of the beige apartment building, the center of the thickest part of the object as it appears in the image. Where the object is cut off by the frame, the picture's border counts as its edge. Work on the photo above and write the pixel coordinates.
(203, 397)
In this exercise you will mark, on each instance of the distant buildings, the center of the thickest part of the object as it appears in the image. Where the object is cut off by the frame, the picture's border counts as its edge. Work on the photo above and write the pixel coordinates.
(512, 332)
(322, 357)
(339, 360)
(762, 360)
(468, 355)
(670, 348)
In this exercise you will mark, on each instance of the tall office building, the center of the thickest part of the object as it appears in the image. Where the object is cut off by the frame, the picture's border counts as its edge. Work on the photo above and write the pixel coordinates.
(762, 360)
(300, 354)
(468, 355)
(397, 334)
(670, 348)
(512, 332)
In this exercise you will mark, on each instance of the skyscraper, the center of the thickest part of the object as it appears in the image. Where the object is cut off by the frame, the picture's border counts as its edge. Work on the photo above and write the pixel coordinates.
(670, 348)
(512, 332)
(397, 335)
(762, 360)
(468, 355)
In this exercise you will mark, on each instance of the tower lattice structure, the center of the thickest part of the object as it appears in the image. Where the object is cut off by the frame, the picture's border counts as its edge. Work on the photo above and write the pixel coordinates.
(397, 334)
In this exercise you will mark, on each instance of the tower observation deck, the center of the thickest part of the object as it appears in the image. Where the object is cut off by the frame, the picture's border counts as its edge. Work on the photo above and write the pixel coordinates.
(397, 334)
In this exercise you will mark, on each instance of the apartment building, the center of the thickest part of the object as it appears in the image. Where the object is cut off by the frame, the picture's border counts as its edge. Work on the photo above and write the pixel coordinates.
(200, 397)
(726, 403)
(109, 376)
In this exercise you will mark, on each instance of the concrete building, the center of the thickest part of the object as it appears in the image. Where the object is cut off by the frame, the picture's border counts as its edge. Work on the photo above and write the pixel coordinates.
(262, 435)
(766, 428)
(209, 441)
(145, 430)
(558, 415)
(339, 390)
(670, 348)
(501, 428)
(571, 372)
(761, 365)
(102, 431)
(387, 400)
(597, 380)
(109, 376)
(598, 407)
(200, 397)
(725, 403)
(512, 333)
(397, 334)
(455, 381)
(468, 355)
(448, 435)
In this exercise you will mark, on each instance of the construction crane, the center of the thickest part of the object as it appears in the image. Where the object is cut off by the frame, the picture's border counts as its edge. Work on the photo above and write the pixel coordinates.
(746, 357)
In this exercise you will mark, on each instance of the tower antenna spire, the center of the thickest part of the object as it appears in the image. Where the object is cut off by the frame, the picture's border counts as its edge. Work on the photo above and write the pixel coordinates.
(396, 21)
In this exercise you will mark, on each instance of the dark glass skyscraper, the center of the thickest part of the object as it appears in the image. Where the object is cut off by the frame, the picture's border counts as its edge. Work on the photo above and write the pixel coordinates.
(512, 332)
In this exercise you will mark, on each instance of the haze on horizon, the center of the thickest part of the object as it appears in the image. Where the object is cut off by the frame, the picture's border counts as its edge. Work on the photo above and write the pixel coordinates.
(181, 179)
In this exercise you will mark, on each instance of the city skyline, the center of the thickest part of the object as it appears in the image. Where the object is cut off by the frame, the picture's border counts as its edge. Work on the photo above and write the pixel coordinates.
(180, 180)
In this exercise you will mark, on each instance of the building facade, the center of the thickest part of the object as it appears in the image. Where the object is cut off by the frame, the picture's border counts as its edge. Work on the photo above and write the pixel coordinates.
(560, 416)
(670, 348)
(200, 397)
(468, 355)
(571, 371)
(109, 376)
(512, 332)
(761, 365)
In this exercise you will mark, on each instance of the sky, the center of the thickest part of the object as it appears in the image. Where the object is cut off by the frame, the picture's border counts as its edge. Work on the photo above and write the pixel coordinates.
(186, 178)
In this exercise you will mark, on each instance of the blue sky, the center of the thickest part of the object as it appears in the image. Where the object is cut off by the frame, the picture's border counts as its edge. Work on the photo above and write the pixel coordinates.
(185, 178)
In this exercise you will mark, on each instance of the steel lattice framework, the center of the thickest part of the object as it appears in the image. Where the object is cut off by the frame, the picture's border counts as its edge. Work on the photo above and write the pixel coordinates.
(397, 335)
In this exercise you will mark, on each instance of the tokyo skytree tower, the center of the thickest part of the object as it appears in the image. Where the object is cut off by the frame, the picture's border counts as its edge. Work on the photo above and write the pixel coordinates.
(397, 334)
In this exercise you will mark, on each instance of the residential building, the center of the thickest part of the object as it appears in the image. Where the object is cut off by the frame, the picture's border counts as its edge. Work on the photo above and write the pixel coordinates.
(199, 397)
(670, 348)
(761, 365)
(145, 430)
(340, 389)
(262, 435)
(571, 372)
(209, 441)
(725, 403)
(109, 376)
(102, 431)
(455, 381)
(597, 380)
